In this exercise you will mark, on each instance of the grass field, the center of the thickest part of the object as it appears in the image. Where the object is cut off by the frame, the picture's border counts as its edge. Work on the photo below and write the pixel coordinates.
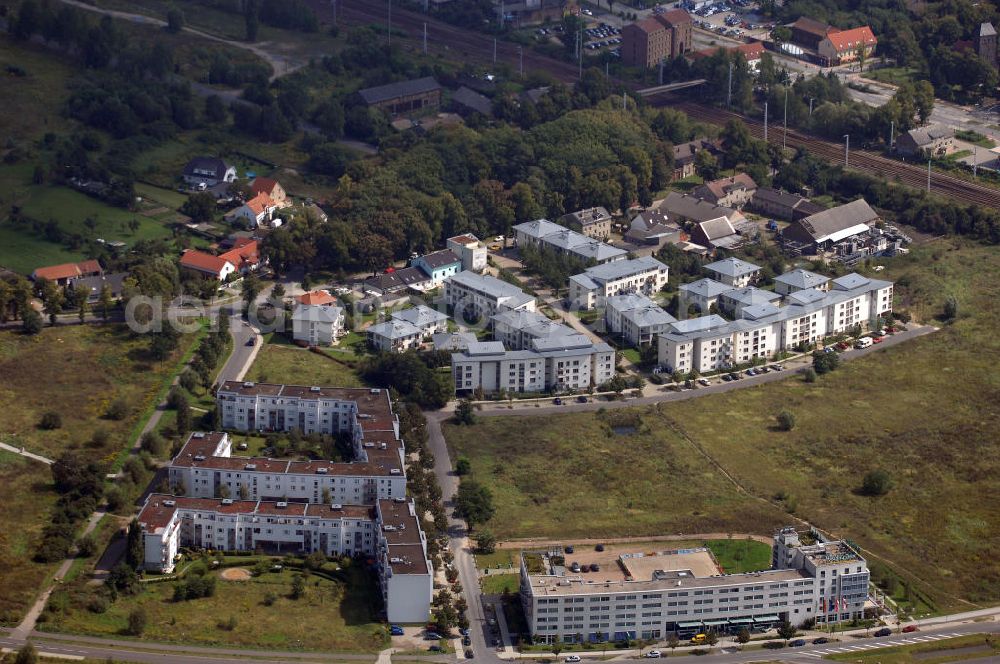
(32, 103)
(77, 371)
(974, 647)
(278, 363)
(336, 615)
(26, 497)
(926, 411)
(894, 75)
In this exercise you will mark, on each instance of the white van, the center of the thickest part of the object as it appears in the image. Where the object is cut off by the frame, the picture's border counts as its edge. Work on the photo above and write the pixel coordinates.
(863, 342)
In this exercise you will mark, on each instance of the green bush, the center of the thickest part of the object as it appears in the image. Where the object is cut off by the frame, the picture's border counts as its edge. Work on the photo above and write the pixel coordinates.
(50, 421)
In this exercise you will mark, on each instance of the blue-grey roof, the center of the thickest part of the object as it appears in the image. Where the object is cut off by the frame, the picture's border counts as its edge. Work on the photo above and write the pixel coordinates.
(760, 311)
(732, 267)
(807, 296)
(623, 269)
(584, 281)
(395, 329)
(420, 315)
(559, 237)
(802, 279)
(317, 313)
(532, 323)
(627, 301)
(453, 340)
(706, 288)
(487, 285)
(850, 281)
(648, 316)
(750, 296)
(485, 348)
(700, 324)
(562, 342)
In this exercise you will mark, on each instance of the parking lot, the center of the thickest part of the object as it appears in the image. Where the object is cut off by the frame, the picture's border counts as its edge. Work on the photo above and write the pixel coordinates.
(735, 19)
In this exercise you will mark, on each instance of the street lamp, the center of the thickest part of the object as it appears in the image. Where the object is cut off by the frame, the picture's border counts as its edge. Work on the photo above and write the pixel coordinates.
(847, 149)
(811, 105)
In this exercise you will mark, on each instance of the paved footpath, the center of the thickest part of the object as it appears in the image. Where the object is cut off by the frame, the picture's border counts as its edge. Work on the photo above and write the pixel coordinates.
(25, 453)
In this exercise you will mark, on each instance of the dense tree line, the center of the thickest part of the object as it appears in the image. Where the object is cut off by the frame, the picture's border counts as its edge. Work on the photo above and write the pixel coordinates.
(79, 480)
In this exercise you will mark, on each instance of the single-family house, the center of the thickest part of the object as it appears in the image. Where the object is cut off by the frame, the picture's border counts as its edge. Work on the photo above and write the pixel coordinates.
(317, 298)
(653, 228)
(64, 273)
(841, 46)
(732, 192)
(208, 171)
(716, 234)
(395, 281)
(206, 265)
(682, 208)
(94, 286)
(273, 189)
(245, 256)
(438, 265)
(734, 272)
(394, 336)
(935, 140)
(317, 324)
(686, 153)
(256, 211)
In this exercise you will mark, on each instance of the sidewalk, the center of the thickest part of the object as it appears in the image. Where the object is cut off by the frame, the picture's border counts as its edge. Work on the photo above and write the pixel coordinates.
(25, 453)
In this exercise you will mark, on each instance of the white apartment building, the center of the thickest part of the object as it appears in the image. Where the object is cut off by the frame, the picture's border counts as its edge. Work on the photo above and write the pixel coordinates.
(702, 294)
(394, 336)
(388, 530)
(517, 330)
(799, 279)
(427, 320)
(570, 362)
(471, 250)
(482, 295)
(317, 325)
(205, 468)
(733, 272)
(733, 302)
(652, 595)
(591, 288)
(543, 233)
(636, 318)
(710, 343)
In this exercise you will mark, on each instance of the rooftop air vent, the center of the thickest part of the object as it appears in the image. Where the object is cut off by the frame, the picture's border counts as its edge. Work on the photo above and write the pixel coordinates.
(314, 389)
(250, 466)
(227, 501)
(248, 384)
(336, 506)
(281, 504)
(169, 503)
(322, 471)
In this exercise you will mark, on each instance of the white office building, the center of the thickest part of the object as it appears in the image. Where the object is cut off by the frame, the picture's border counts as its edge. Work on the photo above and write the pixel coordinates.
(649, 595)
(595, 285)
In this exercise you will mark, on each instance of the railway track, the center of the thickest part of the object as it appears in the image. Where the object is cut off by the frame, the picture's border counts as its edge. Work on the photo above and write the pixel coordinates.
(861, 160)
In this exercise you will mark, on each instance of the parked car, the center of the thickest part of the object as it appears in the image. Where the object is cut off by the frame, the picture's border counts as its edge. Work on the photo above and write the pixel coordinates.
(885, 631)
(469, 654)
(911, 628)
(573, 658)
(568, 549)
(734, 376)
(432, 636)
(594, 567)
(797, 643)
(751, 371)
(435, 648)
(726, 377)
(396, 630)
(654, 654)
(704, 381)
(820, 641)
(557, 401)
(466, 641)
(463, 631)
(581, 399)
(575, 567)
(777, 367)
(599, 547)
(878, 340)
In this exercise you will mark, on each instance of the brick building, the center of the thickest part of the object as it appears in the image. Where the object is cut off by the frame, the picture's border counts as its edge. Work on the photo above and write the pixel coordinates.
(662, 36)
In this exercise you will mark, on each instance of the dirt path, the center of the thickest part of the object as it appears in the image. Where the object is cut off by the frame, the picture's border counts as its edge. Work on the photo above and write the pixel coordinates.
(521, 543)
(280, 65)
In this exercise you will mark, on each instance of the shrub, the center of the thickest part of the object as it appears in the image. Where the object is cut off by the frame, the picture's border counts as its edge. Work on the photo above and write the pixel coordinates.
(98, 604)
(810, 375)
(137, 622)
(463, 466)
(876, 483)
(825, 362)
(228, 625)
(786, 421)
(86, 546)
(50, 420)
(118, 410)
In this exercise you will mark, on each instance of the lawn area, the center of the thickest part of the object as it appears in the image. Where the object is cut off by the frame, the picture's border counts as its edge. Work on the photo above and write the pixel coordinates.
(976, 646)
(26, 498)
(279, 363)
(333, 615)
(893, 75)
(166, 197)
(925, 411)
(22, 252)
(495, 584)
(32, 103)
(70, 208)
(740, 555)
(970, 136)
